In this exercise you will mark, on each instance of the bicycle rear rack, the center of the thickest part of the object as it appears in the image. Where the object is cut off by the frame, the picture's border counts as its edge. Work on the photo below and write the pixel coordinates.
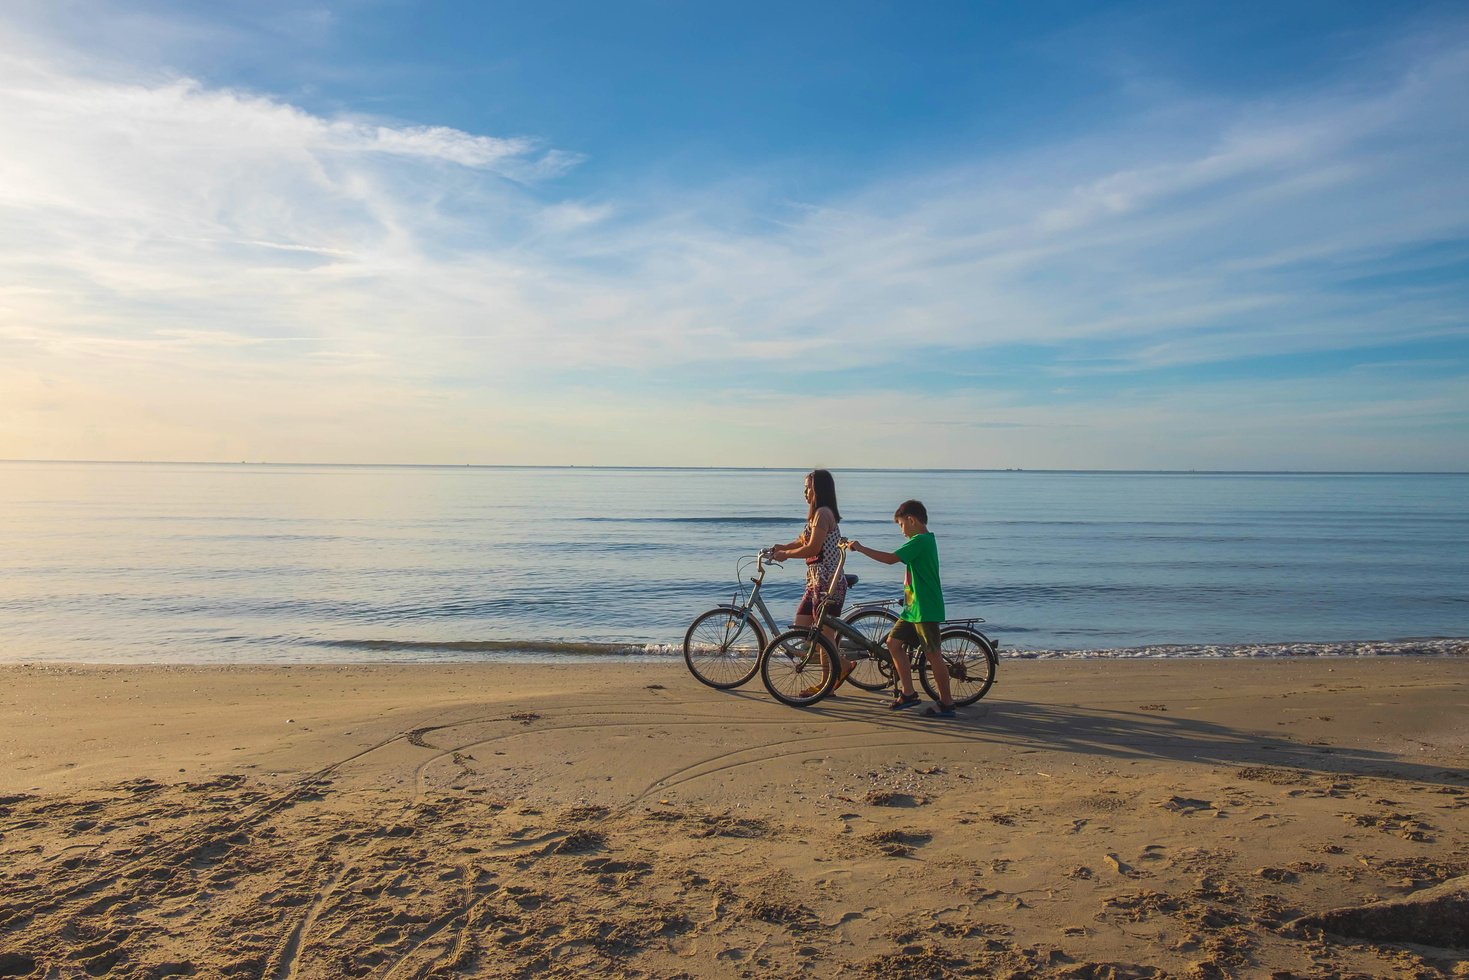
(876, 603)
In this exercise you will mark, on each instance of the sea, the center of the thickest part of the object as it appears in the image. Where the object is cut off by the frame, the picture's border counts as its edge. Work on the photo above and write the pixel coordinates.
(210, 563)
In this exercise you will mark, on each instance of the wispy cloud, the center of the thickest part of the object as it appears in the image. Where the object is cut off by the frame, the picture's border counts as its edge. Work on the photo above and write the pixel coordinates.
(162, 231)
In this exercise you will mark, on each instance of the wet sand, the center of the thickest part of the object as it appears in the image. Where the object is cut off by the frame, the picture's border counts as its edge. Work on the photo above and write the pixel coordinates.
(1122, 819)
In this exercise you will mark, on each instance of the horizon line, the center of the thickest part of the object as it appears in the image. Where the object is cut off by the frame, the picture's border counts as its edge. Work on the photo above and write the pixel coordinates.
(749, 469)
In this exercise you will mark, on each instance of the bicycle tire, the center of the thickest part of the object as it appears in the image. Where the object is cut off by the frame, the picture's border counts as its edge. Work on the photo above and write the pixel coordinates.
(798, 667)
(971, 660)
(722, 647)
(870, 674)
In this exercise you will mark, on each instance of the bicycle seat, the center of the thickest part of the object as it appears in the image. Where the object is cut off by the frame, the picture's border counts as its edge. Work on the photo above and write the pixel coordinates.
(851, 580)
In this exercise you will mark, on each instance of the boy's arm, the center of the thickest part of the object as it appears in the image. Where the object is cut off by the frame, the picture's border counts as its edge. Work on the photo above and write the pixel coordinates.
(886, 557)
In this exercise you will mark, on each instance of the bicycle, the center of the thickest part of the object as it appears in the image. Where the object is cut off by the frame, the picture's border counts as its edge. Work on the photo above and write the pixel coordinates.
(722, 646)
(789, 663)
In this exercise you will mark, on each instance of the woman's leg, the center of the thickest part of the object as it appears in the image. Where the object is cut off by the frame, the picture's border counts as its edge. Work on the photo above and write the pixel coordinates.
(805, 610)
(834, 610)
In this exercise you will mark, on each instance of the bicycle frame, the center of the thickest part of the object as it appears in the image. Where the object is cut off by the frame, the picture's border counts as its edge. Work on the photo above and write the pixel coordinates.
(754, 601)
(848, 632)
(825, 621)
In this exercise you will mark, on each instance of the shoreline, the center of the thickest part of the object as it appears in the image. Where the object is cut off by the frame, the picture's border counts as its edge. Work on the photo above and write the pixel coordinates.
(581, 652)
(504, 820)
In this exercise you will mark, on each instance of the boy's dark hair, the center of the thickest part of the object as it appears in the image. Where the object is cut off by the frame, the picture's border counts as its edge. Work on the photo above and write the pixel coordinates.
(912, 508)
(825, 490)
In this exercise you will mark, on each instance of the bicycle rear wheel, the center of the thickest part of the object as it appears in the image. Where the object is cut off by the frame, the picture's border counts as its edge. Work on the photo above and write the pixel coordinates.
(871, 673)
(798, 668)
(971, 660)
(722, 647)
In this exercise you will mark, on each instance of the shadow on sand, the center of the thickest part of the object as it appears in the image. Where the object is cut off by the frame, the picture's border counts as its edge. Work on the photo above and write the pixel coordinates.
(1138, 735)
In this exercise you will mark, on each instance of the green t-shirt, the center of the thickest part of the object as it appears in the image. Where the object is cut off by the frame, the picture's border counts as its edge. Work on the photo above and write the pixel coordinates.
(921, 585)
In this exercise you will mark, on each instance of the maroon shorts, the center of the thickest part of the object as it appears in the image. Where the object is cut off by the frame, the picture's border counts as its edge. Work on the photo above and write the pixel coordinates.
(810, 599)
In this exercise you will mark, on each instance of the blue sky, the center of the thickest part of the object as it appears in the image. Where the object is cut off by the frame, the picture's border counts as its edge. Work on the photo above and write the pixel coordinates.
(1117, 235)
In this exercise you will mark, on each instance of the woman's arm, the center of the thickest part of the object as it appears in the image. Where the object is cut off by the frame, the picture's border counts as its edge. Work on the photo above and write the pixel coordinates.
(810, 543)
(886, 557)
(777, 551)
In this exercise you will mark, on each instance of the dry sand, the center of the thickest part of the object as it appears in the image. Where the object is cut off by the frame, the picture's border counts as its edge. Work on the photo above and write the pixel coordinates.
(1087, 819)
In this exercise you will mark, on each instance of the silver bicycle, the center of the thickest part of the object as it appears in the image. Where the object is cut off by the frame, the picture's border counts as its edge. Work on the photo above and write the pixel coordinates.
(722, 646)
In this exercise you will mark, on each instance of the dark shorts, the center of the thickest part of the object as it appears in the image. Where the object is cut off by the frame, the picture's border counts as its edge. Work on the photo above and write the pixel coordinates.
(924, 635)
(810, 599)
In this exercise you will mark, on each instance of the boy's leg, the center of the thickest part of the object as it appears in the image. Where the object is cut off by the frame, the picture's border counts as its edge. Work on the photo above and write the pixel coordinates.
(899, 640)
(899, 654)
(936, 663)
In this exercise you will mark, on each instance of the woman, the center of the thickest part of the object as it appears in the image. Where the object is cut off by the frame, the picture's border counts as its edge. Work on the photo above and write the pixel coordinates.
(820, 545)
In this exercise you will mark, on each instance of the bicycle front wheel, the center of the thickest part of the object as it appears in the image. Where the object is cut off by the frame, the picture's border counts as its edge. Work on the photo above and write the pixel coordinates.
(799, 667)
(722, 647)
(873, 672)
(971, 660)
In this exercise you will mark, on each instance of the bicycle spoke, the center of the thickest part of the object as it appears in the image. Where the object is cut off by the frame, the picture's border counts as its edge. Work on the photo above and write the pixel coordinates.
(798, 668)
(871, 673)
(970, 661)
(722, 648)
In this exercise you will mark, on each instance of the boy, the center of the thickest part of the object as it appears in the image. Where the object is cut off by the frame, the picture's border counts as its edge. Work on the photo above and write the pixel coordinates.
(924, 610)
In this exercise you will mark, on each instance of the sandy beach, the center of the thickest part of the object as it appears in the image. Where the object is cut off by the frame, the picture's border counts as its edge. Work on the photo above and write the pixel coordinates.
(1088, 819)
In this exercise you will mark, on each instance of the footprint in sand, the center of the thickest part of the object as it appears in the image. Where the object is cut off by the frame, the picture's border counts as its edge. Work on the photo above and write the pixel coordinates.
(897, 843)
(880, 797)
(580, 842)
(1185, 805)
(1277, 875)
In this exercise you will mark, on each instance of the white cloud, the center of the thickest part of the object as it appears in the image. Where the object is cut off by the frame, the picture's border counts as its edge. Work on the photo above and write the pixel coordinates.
(159, 232)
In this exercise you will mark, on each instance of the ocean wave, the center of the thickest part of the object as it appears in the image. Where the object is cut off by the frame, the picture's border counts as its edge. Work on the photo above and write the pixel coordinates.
(1432, 647)
(797, 520)
(497, 647)
(552, 650)
(735, 520)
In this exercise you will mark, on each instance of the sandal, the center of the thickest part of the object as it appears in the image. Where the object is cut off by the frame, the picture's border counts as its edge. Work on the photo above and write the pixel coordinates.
(810, 692)
(903, 701)
(847, 669)
(939, 711)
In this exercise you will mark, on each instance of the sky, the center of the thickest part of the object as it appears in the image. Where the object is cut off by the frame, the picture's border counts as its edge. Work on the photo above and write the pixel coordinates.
(1151, 235)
